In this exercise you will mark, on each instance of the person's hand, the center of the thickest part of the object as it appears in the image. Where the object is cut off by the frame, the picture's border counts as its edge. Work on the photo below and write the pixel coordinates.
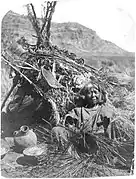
(77, 130)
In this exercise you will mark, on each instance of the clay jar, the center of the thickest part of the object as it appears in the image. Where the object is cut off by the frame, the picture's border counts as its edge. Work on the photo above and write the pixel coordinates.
(24, 138)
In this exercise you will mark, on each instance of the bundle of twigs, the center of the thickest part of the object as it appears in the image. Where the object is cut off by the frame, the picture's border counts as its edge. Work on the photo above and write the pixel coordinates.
(111, 154)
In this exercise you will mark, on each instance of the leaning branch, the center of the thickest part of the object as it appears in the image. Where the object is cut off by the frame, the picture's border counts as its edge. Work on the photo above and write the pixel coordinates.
(13, 66)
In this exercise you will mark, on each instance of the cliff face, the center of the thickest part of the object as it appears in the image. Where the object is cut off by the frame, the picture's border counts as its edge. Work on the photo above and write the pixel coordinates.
(76, 38)
(83, 40)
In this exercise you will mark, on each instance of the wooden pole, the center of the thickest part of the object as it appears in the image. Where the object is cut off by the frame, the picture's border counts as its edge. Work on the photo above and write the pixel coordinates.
(9, 93)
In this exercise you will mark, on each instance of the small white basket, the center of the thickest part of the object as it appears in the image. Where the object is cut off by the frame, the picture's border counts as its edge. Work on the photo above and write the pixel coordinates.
(34, 151)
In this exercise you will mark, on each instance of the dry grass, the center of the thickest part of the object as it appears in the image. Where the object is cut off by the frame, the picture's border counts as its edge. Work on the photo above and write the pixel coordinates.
(6, 83)
(60, 165)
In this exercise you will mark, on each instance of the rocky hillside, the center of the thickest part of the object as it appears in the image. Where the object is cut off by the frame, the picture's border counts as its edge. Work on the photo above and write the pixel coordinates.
(76, 38)
(83, 40)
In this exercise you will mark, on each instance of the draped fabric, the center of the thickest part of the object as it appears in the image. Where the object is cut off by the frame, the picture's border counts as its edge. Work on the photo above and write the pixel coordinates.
(91, 120)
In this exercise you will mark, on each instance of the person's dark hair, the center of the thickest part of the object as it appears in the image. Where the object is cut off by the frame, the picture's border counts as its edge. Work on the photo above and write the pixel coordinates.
(81, 98)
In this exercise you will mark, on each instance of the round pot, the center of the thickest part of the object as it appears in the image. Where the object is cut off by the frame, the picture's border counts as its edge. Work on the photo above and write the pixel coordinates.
(25, 138)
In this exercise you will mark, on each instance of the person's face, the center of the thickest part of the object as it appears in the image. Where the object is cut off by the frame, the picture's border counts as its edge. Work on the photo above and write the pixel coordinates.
(93, 96)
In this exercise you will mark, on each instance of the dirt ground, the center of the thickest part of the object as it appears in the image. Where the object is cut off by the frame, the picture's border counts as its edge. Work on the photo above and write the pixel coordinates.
(15, 164)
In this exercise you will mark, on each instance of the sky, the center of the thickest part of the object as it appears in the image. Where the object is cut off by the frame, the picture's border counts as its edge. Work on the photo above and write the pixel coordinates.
(113, 20)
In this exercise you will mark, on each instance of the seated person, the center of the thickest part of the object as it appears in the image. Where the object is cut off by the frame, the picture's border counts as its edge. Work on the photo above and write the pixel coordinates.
(91, 116)
(91, 112)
